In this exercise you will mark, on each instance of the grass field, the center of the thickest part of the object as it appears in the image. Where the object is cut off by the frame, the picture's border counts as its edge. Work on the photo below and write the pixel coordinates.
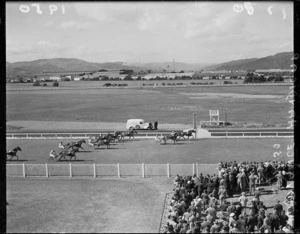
(255, 104)
(206, 151)
(86, 205)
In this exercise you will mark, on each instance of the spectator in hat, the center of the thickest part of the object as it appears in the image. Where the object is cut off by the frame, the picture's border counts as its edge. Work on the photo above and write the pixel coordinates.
(283, 219)
(252, 179)
(155, 125)
(225, 228)
(238, 210)
(260, 219)
(212, 211)
(205, 224)
(205, 199)
(265, 227)
(231, 208)
(251, 222)
(279, 180)
(235, 228)
(242, 223)
(223, 206)
(215, 227)
(257, 194)
(243, 200)
(275, 221)
(185, 227)
(278, 207)
(232, 220)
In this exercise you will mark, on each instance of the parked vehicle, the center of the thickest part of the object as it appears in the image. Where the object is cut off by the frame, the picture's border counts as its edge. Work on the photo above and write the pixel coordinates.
(138, 124)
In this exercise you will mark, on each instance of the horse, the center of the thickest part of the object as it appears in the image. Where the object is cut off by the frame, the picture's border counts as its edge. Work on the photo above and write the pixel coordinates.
(13, 153)
(187, 133)
(118, 135)
(172, 136)
(67, 153)
(129, 134)
(77, 144)
(98, 143)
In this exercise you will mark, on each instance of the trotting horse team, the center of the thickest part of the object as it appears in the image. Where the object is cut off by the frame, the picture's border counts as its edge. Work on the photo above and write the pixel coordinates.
(70, 149)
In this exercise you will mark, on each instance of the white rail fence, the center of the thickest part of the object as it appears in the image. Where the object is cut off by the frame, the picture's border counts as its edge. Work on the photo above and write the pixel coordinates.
(112, 170)
(212, 134)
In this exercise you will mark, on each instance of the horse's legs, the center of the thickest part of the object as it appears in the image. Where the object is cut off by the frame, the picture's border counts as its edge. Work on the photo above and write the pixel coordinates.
(17, 157)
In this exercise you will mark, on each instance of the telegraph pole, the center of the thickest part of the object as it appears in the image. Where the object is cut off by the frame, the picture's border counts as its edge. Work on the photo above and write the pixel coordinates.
(226, 119)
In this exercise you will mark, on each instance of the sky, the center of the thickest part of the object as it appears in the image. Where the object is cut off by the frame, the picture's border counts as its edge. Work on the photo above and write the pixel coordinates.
(140, 32)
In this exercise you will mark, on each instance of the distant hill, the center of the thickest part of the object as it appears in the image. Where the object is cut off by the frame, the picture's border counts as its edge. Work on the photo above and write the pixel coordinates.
(59, 65)
(277, 61)
(31, 68)
(169, 66)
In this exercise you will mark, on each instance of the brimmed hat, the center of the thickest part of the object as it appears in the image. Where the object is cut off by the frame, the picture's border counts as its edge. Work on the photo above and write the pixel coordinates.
(232, 214)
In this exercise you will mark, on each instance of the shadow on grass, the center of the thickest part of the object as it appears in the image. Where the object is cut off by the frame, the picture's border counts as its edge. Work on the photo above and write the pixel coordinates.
(85, 151)
(177, 143)
(76, 160)
(107, 148)
(20, 160)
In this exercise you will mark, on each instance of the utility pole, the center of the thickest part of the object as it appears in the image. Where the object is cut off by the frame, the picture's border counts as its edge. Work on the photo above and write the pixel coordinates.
(173, 64)
(226, 119)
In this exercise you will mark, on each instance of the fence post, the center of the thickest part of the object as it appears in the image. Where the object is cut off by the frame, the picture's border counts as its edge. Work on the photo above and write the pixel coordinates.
(143, 170)
(24, 173)
(193, 169)
(95, 175)
(47, 174)
(70, 170)
(168, 170)
(119, 173)
(197, 170)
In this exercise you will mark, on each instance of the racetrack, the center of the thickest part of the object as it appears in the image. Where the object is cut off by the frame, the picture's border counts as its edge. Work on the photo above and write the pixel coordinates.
(205, 151)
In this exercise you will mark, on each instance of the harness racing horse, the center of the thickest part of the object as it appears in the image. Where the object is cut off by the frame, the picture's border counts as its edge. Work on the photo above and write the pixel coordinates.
(76, 144)
(173, 137)
(66, 153)
(13, 153)
(129, 134)
(104, 141)
(187, 133)
(118, 135)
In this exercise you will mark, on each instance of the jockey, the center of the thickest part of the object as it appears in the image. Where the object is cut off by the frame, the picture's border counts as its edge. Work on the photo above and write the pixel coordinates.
(172, 133)
(53, 154)
(61, 145)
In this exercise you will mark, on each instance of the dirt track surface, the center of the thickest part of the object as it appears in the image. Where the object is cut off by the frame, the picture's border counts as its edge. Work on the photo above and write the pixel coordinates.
(206, 151)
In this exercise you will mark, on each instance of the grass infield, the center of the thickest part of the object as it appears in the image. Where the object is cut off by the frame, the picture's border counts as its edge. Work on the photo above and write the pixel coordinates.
(85, 205)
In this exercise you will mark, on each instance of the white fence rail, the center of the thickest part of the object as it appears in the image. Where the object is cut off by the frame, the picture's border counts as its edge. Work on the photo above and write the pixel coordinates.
(72, 135)
(112, 170)
(213, 134)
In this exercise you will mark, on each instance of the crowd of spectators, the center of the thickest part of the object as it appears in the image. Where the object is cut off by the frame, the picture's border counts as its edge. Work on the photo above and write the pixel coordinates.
(205, 204)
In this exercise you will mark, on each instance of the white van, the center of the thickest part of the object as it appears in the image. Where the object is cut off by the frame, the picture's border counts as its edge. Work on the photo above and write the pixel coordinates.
(137, 124)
